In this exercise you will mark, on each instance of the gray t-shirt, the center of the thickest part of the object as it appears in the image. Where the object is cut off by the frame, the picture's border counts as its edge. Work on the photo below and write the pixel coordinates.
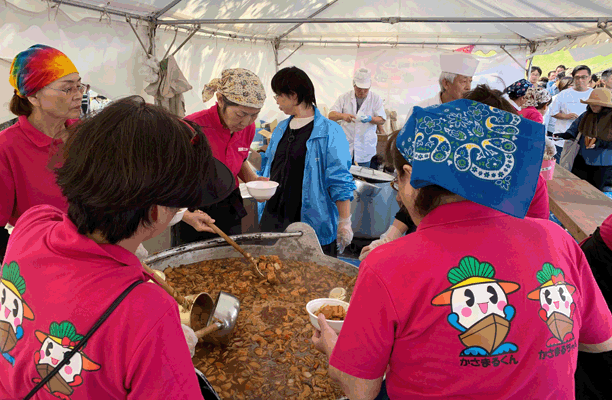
(359, 102)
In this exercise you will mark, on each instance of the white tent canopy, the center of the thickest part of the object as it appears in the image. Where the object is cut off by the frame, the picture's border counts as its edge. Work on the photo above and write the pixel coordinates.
(399, 40)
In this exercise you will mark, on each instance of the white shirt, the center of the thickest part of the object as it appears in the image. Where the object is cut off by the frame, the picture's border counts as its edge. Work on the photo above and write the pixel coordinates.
(567, 102)
(361, 136)
(432, 101)
(516, 106)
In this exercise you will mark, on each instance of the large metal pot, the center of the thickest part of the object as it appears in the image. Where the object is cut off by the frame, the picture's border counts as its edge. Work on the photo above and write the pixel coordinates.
(299, 242)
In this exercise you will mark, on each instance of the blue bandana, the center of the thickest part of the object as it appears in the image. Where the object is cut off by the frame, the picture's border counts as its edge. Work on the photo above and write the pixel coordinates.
(481, 153)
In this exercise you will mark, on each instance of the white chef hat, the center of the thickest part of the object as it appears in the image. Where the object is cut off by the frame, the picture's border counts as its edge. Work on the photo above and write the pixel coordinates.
(362, 78)
(458, 63)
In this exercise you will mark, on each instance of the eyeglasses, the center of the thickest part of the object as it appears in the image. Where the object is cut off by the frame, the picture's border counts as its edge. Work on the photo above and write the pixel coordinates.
(394, 184)
(582, 77)
(72, 90)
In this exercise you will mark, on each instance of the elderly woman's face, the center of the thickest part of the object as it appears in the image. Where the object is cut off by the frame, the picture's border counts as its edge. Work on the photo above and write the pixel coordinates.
(237, 118)
(61, 98)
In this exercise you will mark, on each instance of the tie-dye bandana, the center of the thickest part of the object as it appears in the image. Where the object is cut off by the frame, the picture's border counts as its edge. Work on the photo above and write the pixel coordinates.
(38, 66)
(481, 153)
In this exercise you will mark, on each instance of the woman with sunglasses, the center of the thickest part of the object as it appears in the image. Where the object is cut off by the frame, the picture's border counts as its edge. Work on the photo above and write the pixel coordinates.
(47, 99)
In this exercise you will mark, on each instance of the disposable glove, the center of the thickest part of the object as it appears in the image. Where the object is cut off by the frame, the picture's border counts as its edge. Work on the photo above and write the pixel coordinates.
(345, 233)
(190, 338)
(391, 234)
(141, 252)
(366, 118)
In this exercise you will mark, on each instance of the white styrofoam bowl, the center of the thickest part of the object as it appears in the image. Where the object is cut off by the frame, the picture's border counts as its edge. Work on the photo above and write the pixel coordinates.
(178, 217)
(316, 304)
(262, 190)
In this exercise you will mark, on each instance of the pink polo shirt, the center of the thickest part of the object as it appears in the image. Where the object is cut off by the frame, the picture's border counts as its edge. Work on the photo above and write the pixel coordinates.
(139, 352)
(27, 160)
(231, 149)
(539, 207)
(532, 113)
(405, 316)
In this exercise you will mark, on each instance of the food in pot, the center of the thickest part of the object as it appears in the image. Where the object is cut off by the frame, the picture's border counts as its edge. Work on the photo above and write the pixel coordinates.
(269, 355)
(333, 313)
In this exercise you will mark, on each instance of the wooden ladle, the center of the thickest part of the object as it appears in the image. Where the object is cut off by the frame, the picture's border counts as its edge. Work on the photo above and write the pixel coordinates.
(229, 240)
(180, 299)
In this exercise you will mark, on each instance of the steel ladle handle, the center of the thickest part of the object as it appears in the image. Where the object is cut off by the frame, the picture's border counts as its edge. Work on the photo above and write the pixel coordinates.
(215, 326)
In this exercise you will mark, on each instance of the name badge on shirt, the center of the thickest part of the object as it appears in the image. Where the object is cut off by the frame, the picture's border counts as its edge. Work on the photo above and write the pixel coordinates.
(243, 149)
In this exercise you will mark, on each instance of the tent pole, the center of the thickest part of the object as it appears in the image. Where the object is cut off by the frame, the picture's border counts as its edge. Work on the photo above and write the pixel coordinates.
(385, 20)
(603, 26)
(195, 30)
(512, 57)
(275, 46)
(152, 29)
(319, 11)
(395, 43)
(164, 10)
(286, 58)
(528, 72)
(100, 9)
(128, 20)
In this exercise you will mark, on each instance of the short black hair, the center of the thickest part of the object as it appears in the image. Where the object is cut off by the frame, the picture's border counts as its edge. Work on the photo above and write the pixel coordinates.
(124, 160)
(537, 69)
(292, 80)
(581, 68)
(560, 66)
(594, 78)
(551, 72)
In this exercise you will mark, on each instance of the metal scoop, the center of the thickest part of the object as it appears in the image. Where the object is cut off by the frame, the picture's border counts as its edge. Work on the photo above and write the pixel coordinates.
(222, 316)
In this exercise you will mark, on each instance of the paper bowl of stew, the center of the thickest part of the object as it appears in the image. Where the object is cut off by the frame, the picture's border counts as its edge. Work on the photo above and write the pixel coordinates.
(334, 310)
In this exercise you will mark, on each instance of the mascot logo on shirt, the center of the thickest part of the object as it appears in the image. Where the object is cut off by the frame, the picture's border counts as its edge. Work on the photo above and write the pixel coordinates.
(479, 308)
(13, 309)
(61, 339)
(557, 304)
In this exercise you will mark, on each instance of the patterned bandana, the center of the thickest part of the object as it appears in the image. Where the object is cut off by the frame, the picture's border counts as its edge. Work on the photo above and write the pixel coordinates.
(481, 153)
(535, 96)
(518, 88)
(239, 85)
(38, 66)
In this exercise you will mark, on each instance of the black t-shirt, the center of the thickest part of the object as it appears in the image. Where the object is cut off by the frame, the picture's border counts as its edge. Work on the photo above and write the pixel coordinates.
(287, 169)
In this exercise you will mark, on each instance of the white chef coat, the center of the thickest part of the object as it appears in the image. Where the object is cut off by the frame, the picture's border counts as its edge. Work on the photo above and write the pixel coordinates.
(432, 101)
(361, 136)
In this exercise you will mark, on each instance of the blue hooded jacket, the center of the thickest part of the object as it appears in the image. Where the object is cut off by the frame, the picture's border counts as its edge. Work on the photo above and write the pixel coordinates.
(326, 175)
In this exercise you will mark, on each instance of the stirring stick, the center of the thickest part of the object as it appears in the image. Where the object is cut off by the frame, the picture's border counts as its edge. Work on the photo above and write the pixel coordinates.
(229, 240)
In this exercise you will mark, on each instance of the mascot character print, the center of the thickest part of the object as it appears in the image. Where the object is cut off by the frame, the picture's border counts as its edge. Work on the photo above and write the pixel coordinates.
(479, 308)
